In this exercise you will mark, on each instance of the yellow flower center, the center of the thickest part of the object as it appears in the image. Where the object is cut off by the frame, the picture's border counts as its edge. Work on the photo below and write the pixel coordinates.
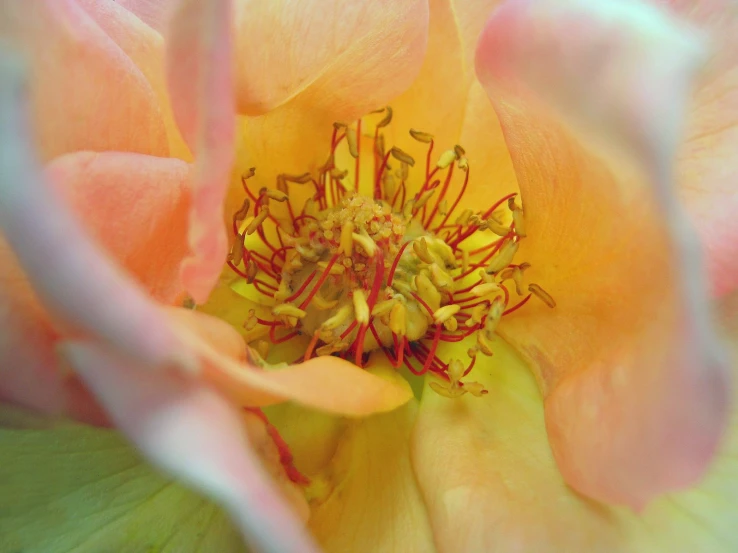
(356, 271)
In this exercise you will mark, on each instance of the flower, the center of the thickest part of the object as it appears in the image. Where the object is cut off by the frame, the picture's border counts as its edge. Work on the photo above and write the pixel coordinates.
(641, 366)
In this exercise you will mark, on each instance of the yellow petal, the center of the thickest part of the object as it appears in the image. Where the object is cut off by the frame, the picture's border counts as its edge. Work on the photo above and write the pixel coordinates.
(367, 499)
(491, 484)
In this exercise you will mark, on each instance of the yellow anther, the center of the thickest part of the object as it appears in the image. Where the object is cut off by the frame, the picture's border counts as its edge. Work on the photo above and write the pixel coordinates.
(276, 195)
(367, 244)
(455, 370)
(447, 391)
(424, 197)
(517, 276)
(443, 207)
(451, 324)
(389, 185)
(427, 291)
(404, 171)
(288, 310)
(472, 351)
(463, 219)
(494, 315)
(446, 312)
(337, 174)
(361, 307)
(421, 136)
(383, 307)
(503, 257)
(485, 288)
(544, 296)
(518, 219)
(310, 208)
(258, 220)
(398, 319)
(340, 317)
(463, 164)
(420, 247)
(440, 278)
(483, 343)
(251, 269)
(236, 255)
(407, 209)
(379, 145)
(474, 388)
(352, 138)
(442, 250)
(328, 349)
(243, 211)
(320, 303)
(250, 172)
(404, 157)
(464, 260)
(446, 159)
(497, 228)
(307, 253)
(251, 322)
(347, 240)
(387, 119)
(484, 277)
(297, 179)
(478, 313)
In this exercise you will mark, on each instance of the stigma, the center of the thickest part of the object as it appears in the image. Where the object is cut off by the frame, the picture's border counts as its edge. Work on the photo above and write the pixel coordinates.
(394, 264)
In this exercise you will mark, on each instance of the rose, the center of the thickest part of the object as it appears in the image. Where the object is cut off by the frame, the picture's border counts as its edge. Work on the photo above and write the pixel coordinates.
(633, 480)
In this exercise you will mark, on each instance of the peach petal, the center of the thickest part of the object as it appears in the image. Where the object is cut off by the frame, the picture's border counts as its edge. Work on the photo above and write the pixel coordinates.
(199, 69)
(628, 355)
(85, 290)
(193, 433)
(145, 47)
(154, 13)
(79, 75)
(326, 383)
(136, 207)
(348, 57)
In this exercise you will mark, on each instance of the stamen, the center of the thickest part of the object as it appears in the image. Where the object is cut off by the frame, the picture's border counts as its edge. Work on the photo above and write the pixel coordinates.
(326, 271)
(544, 296)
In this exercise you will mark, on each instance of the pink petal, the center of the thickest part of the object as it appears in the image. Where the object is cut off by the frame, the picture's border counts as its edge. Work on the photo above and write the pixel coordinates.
(86, 93)
(85, 289)
(190, 431)
(591, 99)
(201, 84)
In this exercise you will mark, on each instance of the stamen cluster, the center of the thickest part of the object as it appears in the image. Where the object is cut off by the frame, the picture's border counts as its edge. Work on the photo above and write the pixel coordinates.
(360, 272)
